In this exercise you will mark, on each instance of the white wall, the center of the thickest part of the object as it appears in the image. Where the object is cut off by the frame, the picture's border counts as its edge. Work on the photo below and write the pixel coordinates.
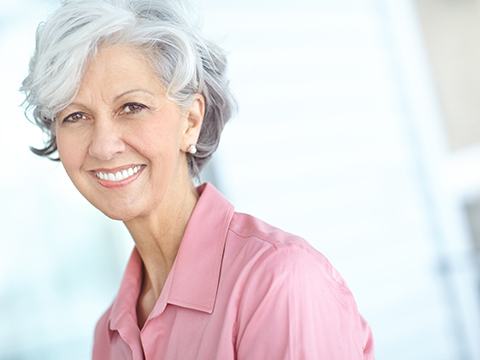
(339, 139)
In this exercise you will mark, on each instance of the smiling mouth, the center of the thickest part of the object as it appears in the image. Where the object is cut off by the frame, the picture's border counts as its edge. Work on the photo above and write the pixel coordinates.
(118, 178)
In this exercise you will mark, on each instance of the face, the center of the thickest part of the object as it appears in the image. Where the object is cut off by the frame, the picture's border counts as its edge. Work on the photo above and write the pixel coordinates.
(121, 140)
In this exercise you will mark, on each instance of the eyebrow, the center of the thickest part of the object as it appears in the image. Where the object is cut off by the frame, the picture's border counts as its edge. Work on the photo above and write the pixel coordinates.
(132, 91)
(118, 96)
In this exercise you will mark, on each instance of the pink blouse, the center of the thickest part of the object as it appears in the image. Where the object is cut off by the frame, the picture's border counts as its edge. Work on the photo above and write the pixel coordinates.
(239, 289)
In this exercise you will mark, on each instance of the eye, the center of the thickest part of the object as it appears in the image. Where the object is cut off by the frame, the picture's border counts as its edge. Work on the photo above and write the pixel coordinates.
(73, 118)
(132, 108)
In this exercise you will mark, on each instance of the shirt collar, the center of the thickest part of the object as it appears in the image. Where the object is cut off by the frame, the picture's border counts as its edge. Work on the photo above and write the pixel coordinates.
(194, 277)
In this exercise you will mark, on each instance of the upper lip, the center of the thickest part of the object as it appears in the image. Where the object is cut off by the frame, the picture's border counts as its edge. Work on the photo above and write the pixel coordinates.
(114, 170)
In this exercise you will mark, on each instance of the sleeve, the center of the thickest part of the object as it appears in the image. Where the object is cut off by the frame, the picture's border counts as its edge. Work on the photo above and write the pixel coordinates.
(296, 306)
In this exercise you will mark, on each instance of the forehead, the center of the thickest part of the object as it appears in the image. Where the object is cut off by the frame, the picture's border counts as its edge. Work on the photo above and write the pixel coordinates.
(118, 68)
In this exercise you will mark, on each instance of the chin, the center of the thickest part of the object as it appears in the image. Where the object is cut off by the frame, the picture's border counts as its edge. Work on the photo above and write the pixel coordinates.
(117, 215)
(118, 212)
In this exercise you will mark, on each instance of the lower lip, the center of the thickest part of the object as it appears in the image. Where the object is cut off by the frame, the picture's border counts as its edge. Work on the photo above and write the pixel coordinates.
(116, 184)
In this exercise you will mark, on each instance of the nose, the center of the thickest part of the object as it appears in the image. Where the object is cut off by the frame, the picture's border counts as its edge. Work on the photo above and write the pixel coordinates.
(106, 141)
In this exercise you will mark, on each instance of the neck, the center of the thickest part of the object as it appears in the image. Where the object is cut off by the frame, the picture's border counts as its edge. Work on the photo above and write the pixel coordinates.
(158, 236)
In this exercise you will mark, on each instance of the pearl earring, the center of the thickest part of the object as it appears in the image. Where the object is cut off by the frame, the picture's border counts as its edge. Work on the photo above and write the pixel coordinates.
(192, 149)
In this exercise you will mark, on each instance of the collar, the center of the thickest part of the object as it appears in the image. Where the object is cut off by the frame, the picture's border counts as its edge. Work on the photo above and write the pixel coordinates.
(194, 277)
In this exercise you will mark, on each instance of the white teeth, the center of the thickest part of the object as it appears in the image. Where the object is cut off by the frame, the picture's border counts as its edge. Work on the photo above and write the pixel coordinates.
(119, 175)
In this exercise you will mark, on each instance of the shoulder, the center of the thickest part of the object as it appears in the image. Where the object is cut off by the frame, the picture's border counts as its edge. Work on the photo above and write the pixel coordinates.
(101, 332)
(274, 253)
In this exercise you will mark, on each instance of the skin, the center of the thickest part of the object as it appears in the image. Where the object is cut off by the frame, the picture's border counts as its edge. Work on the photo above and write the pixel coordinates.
(102, 129)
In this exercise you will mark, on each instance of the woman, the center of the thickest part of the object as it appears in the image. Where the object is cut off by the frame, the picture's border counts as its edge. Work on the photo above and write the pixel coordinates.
(135, 99)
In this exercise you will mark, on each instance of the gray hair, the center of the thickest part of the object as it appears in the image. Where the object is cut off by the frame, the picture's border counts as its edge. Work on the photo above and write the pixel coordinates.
(187, 63)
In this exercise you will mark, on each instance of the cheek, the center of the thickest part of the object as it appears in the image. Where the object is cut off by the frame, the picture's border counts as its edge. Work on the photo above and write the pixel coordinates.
(160, 138)
(71, 152)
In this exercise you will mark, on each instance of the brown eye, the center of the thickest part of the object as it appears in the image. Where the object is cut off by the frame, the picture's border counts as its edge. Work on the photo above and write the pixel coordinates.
(132, 108)
(73, 118)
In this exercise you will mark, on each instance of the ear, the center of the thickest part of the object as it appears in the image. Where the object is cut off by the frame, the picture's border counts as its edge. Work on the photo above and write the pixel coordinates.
(194, 120)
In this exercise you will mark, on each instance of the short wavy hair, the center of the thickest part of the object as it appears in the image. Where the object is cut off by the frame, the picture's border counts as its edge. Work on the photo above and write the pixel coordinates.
(186, 63)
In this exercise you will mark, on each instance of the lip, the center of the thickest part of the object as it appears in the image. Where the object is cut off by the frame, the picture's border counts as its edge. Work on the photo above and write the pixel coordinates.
(116, 184)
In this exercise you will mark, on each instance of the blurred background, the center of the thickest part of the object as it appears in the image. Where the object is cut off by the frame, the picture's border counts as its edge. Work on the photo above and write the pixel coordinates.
(358, 119)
